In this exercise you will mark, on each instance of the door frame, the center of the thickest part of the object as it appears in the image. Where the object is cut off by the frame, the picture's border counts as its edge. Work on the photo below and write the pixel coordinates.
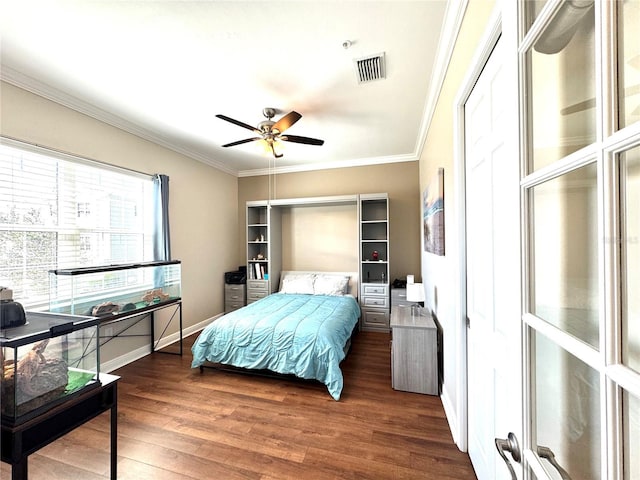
(495, 29)
(480, 58)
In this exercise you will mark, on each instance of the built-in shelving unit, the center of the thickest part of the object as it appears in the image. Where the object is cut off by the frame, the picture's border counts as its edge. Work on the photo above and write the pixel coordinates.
(374, 260)
(264, 259)
(264, 251)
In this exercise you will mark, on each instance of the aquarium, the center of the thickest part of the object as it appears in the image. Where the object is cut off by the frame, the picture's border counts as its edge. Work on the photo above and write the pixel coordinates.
(45, 361)
(114, 291)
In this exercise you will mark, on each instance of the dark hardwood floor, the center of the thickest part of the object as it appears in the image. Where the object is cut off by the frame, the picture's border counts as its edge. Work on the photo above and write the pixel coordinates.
(176, 423)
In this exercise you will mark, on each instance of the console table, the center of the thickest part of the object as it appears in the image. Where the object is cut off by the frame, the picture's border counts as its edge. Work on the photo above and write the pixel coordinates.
(414, 350)
(20, 441)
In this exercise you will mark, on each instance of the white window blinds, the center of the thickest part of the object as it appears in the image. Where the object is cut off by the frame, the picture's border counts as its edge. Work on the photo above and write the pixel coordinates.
(58, 211)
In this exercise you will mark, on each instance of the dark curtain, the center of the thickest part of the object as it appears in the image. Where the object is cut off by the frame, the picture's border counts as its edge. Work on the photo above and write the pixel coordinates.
(161, 237)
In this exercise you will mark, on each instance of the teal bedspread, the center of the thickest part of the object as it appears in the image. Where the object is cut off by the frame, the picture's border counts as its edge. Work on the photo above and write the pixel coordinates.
(303, 335)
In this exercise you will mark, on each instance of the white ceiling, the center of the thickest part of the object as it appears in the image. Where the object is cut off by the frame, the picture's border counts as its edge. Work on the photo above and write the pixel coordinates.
(164, 69)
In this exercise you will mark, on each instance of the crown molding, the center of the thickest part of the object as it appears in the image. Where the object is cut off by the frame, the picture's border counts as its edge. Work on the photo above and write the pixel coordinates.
(362, 162)
(454, 16)
(41, 89)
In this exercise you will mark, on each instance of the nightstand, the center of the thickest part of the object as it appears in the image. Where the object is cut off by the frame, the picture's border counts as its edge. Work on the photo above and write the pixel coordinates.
(414, 351)
(234, 296)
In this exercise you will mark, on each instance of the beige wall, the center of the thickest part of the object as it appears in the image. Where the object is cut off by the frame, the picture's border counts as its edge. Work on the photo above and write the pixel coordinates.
(399, 180)
(438, 272)
(203, 207)
(320, 238)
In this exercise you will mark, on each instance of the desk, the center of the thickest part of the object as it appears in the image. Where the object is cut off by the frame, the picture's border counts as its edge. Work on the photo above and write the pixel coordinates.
(414, 351)
(20, 441)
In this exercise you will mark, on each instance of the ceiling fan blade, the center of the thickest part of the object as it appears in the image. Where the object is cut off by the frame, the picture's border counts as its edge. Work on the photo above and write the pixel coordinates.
(286, 121)
(240, 142)
(305, 140)
(238, 122)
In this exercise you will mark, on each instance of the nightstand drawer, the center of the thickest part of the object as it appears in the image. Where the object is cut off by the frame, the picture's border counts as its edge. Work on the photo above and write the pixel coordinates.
(375, 319)
(258, 285)
(230, 306)
(375, 302)
(399, 294)
(374, 290)
(399, 297)
(234, 288)
(254, 295)
(234, 297)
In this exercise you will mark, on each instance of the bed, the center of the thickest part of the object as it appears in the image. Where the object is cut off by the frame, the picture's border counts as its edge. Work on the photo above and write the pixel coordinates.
(303, 330)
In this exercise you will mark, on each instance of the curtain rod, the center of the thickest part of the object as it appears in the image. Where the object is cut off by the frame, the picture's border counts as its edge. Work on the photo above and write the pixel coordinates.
(37, 148)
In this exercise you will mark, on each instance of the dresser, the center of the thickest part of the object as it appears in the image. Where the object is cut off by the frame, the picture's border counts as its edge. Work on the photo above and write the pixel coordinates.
(414, 351)
(234, 297)
(375, 307)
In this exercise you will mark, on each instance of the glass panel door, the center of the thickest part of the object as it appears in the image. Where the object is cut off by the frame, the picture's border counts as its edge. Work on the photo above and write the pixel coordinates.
(567, 406)
(629, 172)
(631, 436)
(629, 162)
(581, 218)
(628, 63)
(565, 253)
(564, 320)
(562, 80)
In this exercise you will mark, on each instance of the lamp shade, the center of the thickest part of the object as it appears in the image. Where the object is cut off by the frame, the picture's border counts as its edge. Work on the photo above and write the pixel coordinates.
(415, 292)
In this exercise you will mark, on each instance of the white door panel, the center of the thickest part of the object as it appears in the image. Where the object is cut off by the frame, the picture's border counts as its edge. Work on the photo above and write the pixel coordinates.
(493, 266)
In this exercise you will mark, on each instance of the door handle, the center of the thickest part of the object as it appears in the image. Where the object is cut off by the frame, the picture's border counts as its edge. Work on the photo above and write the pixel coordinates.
(546, 453)
(510, 444)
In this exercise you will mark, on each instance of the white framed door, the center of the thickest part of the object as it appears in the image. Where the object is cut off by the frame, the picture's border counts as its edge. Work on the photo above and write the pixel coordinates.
(580, 187)
(492, 271)
(577, 135)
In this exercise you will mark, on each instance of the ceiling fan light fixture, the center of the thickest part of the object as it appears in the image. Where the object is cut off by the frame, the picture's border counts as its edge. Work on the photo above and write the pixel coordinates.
(265, 126)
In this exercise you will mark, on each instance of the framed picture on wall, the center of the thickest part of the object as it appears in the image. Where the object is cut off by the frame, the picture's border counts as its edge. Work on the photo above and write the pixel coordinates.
(433, 215)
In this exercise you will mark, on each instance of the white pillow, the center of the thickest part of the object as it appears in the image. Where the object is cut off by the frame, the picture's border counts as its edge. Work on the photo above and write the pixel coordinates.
(331, 285)
(298, 283)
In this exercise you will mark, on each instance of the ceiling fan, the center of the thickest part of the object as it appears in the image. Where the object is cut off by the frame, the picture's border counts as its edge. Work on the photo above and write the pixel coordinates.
(271, 131)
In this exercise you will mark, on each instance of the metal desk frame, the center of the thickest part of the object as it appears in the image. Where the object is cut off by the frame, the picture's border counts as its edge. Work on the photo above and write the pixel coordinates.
(142, 314)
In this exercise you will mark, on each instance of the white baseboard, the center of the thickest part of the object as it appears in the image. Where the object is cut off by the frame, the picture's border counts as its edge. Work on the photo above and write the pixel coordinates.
(138, 353)
(452, 417)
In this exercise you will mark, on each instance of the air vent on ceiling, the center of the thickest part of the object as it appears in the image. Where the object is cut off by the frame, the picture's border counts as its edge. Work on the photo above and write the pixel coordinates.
(370, 68)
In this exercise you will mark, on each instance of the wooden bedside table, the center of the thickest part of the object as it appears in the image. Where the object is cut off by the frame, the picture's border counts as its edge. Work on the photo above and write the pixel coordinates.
(414, 351)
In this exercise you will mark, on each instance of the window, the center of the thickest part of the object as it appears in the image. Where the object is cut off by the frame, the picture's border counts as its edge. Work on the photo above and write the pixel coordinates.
(58, 211)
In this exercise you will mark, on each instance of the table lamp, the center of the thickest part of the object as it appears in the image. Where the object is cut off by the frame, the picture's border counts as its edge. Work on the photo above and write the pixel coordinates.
(415, 294)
